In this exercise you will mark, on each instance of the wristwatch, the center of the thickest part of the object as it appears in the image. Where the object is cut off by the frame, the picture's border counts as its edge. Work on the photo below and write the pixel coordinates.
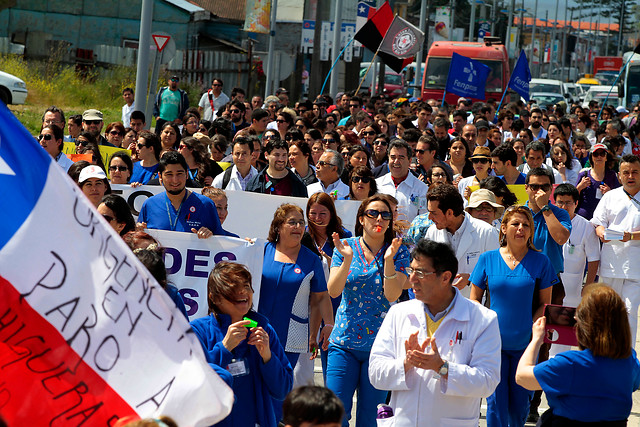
(545, 208)
(444, 369)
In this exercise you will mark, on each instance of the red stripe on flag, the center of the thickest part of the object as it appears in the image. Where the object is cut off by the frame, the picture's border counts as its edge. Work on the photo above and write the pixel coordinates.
(383, 18)
(43, 381)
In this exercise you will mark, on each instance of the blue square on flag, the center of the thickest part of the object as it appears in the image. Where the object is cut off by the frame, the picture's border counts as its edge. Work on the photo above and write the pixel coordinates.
(467, 77)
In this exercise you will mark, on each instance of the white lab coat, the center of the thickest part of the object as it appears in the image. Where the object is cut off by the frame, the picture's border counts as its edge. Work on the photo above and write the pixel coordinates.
(478, 237)
(419, 398)
(411, 195)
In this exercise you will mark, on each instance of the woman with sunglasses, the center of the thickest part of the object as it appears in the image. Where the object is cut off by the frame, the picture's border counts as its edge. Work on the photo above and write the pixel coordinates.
(149, 154)
(459, 160)
(515, 275)
(593, 182)
(120, 168)
(117, 213)
(362, 183)
(115, 134)
(293, 135)
(293, 292)
(330, 140)
(481, 161)
(284, 121)
(368, 134)
(369, 272)
(379, 152)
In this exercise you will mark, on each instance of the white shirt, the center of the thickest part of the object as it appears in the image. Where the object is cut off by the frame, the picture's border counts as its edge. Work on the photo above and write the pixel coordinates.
(542, 133)
(64, 162)
(339, 186)
(236, 181)
(524, 168)
(583, 246)
(418, 397)
(411, 195)
(218, 102)
(126, 114)
(415, 123)
(618, 212)
(571, 174)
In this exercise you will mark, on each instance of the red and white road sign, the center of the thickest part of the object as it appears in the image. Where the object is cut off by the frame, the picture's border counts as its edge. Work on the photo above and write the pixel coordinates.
(160, 41)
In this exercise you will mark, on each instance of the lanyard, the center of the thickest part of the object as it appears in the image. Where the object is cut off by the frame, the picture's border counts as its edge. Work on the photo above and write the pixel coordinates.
(632, 198)
(172, 223)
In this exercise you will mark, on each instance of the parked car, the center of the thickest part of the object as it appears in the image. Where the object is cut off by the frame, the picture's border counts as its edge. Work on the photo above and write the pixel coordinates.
(547, 99)
(546, 86)
(575, 91)
(600, 93)
(12, 89)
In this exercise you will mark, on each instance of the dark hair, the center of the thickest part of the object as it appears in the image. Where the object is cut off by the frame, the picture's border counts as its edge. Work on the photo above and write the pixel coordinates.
(294, 134)
(172, 158)
(76, 168)
(304, 148)
(58, 134)
(540, 172)
(278, 219)
(275, 144)
(97, 155)
(429, 173)
(185, 119)
(287, 118)
(127, 89)
(115, 125)
(244, 140)
(77, 119)
(137, 115)
(311, 404)
(54, 109)
(363, 171)
(121, 210)
(603, 323)
(152, 259)
(176, 130)
(567, 153)
(223, 280)
(399, 143)
(335, 223)
(535, 146)
(151, 140)
(315, 134)
(505, 153)
(411, 135)
(441, 255)
(259, 114)
(500, 189)
(448, 197)
(356, 149)
(122, 155)
(630, 158)
(566, 190)
(389, 234)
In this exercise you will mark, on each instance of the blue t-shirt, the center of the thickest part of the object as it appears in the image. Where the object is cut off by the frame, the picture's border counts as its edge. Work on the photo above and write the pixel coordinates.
(143, 174)
(284, 295)
(588, 388)
(519, 180)
(196, 211)
(512, 292)
(363, 304)
(543, 241)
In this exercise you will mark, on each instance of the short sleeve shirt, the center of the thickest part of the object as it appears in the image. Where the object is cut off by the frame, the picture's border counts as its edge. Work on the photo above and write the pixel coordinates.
(363, 304)
(143, 174)
(512, 292)
(542, 239)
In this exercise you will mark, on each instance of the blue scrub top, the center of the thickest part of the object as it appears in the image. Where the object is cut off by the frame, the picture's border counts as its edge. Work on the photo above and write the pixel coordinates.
(512, 292)
(143, 174)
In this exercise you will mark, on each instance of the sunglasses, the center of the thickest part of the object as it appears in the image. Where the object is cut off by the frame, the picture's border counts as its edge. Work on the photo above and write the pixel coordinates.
(234, 111)
(118, 168)
(323, 163)
(599, 153)
(543, 187)
(216, 84)
(354, 105)
(328, 141)
(46, 137)
(115, 132)
(363, 179)
(374, 214)
(270, 136)
(181, 146)
(331, 122)
(370, 133)
(484, 161)
(93, 122)
(81, 143)
(380, 142)
(108, 218)
(420, 151)
(280, 121)
(140, 146)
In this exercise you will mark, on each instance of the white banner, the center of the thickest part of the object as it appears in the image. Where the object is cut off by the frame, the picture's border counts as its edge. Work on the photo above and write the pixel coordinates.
(250, 214)
(189, 261)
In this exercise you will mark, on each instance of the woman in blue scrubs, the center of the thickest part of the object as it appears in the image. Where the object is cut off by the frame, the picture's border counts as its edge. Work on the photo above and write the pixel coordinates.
(512, 275)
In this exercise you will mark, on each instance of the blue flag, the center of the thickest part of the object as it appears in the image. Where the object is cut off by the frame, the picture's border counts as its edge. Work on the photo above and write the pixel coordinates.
(467, 77)
(521, 77)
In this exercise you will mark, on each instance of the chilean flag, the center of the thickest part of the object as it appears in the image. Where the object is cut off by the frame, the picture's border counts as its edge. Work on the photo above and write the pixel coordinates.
(87, 336)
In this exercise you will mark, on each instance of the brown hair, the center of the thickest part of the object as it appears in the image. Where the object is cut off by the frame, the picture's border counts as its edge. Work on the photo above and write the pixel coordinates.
(223, 280)
(212, 192)
(279, 216)
(335, 223)
(603, 324)
(389, 234)
(138, 240)
(511, 211)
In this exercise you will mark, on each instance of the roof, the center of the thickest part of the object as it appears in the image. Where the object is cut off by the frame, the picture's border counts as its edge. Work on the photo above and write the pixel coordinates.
(185, 5)
(225, 9)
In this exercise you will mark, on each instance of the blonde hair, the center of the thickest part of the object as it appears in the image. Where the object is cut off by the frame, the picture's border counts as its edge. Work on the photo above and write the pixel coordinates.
(511, 211)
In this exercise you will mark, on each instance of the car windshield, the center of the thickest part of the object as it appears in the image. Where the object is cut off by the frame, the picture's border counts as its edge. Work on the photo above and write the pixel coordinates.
(544, 99)
(544, 87)
(438, 70)
(393, 79)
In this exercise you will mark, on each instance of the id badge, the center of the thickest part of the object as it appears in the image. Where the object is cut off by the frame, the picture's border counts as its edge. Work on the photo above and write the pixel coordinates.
(238, 367)
(572, 248)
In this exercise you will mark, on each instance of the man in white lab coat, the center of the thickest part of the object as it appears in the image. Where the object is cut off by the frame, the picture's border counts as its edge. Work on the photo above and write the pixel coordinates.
(438, 354)
(469, 237)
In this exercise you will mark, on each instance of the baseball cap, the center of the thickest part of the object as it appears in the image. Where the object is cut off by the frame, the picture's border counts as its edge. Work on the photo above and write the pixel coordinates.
(92, 114)
(482, 124)
(599, 146)
(622, 109)
(91, 171)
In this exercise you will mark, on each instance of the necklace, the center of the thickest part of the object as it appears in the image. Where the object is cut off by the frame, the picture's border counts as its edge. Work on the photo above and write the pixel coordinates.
(512, 259)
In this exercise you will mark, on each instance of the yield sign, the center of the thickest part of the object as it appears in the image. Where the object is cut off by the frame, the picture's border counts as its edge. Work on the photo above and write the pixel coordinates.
(160, 41)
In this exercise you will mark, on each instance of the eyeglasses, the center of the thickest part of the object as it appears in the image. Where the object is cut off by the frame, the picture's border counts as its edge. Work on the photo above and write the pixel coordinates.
(567, 203)
(216, 84)
(118, 168)
(354, 105)
(292, 138)
(328, 141)
(421, 274)
(331, 122)
(115, 132)
(370, 133)
(53, 122)
(438, 175)
(181, 146)
(46, 137)
(236, 111)
(292, 223)
(380, 142)
(543, 187)
(374, 214)
(480, 160)
(420, 151)
(280, 121)
(323, 163)
(140, 146)
(599, 153)
(485, 208)
(175, 80)
(363, 179)
(93, 122)
(108, 218)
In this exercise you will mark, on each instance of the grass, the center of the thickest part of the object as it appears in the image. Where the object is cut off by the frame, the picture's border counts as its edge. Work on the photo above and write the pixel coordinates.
(53, 83)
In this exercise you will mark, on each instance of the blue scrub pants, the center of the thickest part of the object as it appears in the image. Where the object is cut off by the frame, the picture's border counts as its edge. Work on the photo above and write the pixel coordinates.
(348, 370)
(509, 404)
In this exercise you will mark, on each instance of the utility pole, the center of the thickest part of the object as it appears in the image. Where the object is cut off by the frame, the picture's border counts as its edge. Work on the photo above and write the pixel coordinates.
(533, 35)
(423, 28)
(509, 22)
(621, 30)
(564, 43)
(335, 50)
(472, 22)
(553, 39)
(268, 90)
(142, 72)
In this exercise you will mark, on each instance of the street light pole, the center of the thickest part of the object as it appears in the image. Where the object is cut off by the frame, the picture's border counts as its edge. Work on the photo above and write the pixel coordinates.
(472, 22)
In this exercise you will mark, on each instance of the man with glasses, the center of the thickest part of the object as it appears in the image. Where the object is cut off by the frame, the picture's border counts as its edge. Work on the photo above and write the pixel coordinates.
(450, 360)
(212, 100)
(236, 115)
(355, 105)
(536, 128)
(328, 171)
(469, 237)
(53, 116)
(426, 152)
(92, 123)
(616, 222)
(276, 178)
(171, 104)
(178, 209)
(410, 192)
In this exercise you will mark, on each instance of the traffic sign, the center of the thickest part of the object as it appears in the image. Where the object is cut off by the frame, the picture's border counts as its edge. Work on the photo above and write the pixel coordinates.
(160, 41)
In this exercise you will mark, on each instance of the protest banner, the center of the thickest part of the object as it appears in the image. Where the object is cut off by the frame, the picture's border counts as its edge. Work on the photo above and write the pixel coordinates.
(189, 261)
(105, 151)
(250, 214)
(518, 189)
(87, 336)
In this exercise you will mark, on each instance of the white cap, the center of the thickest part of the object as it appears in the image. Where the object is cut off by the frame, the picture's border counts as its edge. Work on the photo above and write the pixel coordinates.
(91, 171)
(622, 109)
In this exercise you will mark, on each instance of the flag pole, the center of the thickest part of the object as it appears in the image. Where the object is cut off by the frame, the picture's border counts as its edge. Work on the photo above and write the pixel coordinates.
(335, 63)
(374, 56)
(614, 83)
(502, 99)
(444, 95)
